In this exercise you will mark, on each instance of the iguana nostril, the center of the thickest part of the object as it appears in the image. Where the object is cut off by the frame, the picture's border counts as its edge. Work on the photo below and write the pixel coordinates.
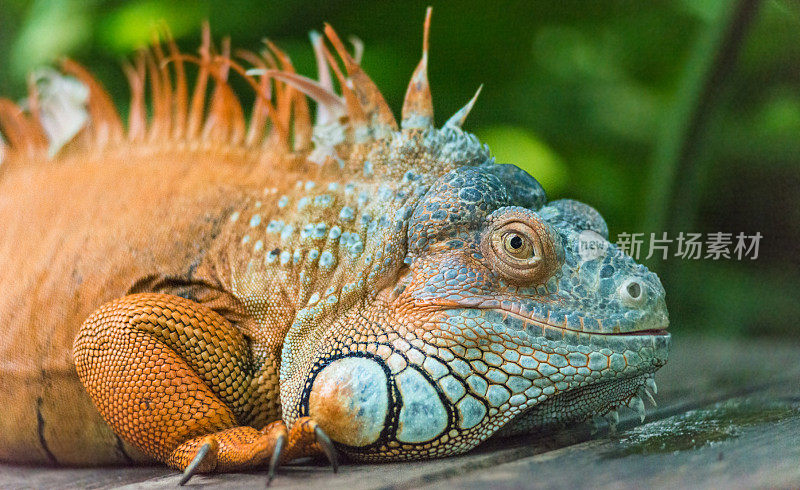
(634, 290)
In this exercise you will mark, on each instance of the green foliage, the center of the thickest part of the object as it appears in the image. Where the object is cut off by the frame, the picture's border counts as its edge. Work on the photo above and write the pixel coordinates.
(132, 25)
(525, 150)
(608, 102)
(54, 28)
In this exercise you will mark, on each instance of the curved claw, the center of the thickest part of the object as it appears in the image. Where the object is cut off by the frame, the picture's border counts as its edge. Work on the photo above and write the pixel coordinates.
(327, 446)
(192, 468)
(280, 443)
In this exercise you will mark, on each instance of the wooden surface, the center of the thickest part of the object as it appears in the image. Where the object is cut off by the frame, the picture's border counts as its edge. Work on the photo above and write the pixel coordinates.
(728, 417)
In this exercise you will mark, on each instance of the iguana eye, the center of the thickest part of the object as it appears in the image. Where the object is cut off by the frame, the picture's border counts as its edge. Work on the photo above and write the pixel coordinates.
(519, 247)
(515, 243)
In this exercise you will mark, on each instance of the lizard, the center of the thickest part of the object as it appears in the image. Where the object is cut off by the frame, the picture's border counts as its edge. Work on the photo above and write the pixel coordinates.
(220, 293)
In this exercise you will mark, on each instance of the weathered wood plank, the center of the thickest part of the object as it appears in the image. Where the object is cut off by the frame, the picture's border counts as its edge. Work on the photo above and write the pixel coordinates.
(765, 455)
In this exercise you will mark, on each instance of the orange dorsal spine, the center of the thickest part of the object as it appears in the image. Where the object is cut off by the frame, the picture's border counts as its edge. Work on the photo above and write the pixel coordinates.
(208, 114)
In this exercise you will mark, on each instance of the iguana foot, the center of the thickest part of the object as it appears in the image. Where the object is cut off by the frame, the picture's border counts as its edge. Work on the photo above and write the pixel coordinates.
(245, 447)
(228, 450)
(305, 439)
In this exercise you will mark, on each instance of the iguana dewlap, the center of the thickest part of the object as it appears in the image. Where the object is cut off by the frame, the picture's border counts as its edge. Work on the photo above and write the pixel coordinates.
(244, 291)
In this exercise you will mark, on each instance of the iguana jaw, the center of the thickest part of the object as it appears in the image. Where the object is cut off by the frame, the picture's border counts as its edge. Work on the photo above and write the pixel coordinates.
(527, 376)
(618, 371)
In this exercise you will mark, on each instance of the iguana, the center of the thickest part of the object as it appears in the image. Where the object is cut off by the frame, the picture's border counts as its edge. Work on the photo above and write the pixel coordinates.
(218, 293)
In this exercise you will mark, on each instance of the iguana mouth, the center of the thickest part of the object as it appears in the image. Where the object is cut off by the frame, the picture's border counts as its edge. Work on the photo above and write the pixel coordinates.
(616, 330)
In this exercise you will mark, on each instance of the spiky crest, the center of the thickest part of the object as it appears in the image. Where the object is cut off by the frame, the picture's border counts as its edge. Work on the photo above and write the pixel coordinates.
(279, 118)
(369, 96)
(457, 119)
(418, 104)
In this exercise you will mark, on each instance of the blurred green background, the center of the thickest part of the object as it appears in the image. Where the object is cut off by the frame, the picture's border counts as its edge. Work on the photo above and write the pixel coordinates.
(665, 116)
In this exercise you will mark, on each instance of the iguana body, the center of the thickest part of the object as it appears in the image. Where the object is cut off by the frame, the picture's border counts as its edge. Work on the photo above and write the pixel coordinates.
(232, 295)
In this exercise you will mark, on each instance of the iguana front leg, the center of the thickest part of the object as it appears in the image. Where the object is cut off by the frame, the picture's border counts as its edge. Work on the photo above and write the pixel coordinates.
(176, 379)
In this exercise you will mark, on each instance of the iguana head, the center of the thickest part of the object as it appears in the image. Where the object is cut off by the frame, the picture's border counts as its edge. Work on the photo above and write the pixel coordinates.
(497, 318)
(473, 305)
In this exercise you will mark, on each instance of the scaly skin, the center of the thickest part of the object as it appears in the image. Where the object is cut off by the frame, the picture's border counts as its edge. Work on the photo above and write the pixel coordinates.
(393, 290)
